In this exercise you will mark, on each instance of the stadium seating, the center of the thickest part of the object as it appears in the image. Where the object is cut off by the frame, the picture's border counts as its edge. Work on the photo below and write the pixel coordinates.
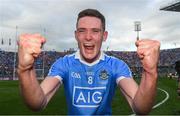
(166, 64)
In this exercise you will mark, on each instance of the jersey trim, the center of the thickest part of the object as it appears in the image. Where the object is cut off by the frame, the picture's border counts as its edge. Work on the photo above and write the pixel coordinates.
(57, 77)
(119, 79)
(78, 56)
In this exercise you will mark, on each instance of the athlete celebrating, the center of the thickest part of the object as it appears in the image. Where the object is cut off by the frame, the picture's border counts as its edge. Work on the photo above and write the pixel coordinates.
(89, 76)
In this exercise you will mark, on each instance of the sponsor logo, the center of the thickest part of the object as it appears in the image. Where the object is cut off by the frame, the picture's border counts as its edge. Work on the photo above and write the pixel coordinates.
(87, 96)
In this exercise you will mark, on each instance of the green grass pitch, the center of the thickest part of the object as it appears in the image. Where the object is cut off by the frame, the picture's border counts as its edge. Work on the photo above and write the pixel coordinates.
(11, 101)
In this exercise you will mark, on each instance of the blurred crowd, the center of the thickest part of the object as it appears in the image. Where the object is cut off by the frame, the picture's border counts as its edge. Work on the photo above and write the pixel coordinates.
(166, 64)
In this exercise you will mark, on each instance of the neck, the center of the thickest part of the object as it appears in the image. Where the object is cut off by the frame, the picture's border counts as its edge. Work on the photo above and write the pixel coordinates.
(91, 60)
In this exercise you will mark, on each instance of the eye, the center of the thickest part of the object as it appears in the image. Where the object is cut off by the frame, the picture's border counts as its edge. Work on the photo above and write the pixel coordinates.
(96, 30)
(81, 30)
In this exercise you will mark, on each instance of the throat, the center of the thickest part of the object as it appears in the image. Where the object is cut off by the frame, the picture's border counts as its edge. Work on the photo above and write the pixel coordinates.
(91, 60)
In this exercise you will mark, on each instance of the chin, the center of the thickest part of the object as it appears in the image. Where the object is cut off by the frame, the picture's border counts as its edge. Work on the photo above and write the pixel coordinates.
(89, 55)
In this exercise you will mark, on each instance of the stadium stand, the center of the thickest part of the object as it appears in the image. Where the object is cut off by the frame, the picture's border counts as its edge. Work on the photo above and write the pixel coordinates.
(173, 6)
(168, 57)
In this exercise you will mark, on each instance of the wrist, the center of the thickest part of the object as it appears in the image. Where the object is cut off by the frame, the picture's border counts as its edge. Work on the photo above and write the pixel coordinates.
(21, 69)
(151, 73)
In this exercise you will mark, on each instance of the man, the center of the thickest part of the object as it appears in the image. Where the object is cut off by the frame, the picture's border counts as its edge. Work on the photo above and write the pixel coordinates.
(177, 68)
(89, 76)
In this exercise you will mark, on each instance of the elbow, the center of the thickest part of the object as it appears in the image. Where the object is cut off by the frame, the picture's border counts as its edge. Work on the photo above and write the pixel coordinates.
(37, 106)
(142, 111)
(34, 108)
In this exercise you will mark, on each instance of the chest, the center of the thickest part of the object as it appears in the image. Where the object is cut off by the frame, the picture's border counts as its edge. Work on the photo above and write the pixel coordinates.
(90, 76)
(88, 86)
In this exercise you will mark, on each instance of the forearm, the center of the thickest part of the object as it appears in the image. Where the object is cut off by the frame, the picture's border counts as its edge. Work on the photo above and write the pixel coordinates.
(145, 96)
(30, 89)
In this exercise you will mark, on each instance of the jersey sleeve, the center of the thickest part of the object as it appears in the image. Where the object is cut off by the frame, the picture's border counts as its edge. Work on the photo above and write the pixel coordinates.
(58, 69)
(121, 70)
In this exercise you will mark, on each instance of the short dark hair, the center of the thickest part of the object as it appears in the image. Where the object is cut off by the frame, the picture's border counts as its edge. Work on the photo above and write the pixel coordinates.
(92, 13)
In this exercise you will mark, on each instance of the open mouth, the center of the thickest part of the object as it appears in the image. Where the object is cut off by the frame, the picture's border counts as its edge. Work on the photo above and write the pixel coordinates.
(89, 46)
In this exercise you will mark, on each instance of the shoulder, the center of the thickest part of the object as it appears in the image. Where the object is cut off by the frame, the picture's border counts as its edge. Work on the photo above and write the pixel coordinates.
(113, 60)
(118, 66)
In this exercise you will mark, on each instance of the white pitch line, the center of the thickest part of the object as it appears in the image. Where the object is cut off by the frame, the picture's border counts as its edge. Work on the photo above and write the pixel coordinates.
(167, 97)
(158, 104)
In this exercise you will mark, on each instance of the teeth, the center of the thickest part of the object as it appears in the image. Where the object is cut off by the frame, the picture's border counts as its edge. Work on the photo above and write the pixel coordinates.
(88, 44)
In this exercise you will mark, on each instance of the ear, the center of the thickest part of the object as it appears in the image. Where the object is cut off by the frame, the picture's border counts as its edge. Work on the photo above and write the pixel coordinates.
(105, 35)
(75, 34)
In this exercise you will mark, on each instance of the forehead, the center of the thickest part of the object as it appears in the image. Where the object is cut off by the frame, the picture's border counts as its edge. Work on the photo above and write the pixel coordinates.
(89, 22)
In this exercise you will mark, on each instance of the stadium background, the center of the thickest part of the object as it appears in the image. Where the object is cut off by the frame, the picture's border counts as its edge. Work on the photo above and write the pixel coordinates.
(10, 99)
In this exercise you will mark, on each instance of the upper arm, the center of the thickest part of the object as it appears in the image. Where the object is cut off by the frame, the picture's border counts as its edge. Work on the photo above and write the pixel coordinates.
(128, 87)
(49, 86)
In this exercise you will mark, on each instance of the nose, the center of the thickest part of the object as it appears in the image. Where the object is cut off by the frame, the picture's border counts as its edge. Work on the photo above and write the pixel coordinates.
(88, 36)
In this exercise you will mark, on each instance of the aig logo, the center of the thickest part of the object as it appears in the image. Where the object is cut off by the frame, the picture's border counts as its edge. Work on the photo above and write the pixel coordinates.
(87, 97)
(75, 75)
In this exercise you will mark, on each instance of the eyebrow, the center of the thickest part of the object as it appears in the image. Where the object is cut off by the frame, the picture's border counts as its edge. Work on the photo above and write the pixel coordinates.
(90, 28)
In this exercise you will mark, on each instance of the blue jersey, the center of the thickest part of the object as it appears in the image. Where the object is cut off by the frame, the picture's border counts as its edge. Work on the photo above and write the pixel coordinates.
(89, 88)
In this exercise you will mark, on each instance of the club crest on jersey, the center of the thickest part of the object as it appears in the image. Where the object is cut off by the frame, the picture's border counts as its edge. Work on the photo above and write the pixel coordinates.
(104, 75)
(76, 75)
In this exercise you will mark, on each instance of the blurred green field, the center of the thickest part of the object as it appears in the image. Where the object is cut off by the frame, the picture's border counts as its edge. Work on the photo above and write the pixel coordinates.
(11, 101)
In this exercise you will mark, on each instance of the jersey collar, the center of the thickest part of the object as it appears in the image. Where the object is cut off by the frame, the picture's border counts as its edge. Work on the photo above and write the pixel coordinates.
(77, 56)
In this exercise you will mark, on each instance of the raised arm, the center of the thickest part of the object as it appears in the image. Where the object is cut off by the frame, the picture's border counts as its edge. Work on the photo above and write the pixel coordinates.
(36, 96)
(142, 97)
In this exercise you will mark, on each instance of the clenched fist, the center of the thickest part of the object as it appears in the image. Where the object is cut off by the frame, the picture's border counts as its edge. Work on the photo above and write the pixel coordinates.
(148, 52)
(29, 47)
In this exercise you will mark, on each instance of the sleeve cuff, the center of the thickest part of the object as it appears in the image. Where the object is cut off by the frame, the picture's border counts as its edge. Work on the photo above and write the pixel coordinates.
(120, 78)
(59, 78)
